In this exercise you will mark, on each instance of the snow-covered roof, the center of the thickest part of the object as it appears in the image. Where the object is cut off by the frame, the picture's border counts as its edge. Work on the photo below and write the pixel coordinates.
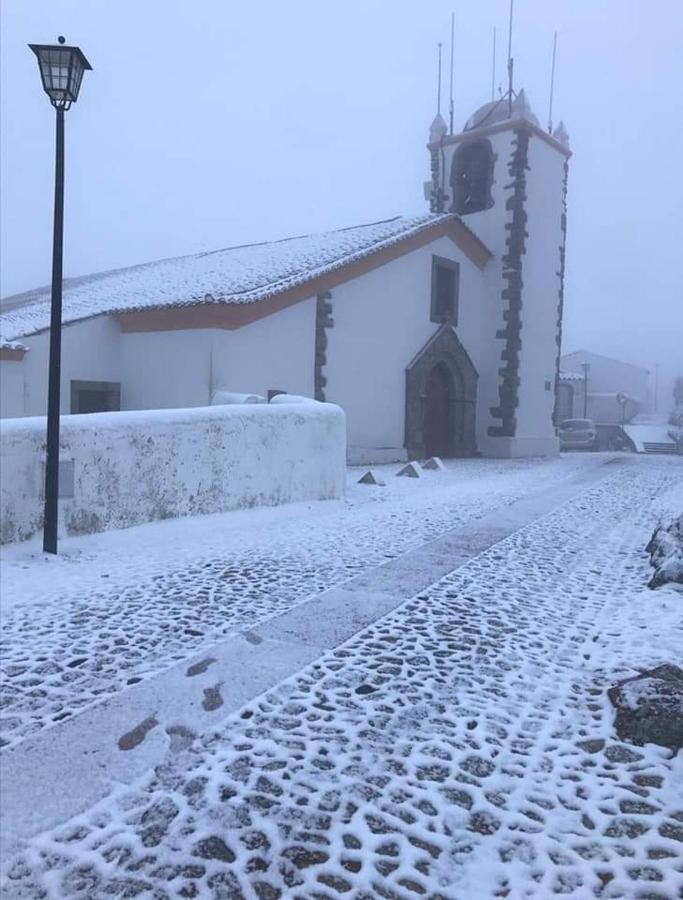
(499, 111)
(235, 275)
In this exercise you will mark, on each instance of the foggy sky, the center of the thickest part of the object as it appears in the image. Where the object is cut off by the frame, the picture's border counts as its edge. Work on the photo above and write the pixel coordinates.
(207, 123)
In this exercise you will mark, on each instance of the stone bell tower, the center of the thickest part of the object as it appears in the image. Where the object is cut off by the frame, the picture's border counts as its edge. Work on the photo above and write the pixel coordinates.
(506, 178)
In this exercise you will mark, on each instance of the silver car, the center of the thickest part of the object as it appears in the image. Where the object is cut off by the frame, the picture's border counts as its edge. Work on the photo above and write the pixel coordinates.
(577, 434)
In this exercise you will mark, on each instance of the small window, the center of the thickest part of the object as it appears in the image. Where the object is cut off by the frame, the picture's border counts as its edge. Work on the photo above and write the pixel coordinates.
(95, 396)
(445, 287)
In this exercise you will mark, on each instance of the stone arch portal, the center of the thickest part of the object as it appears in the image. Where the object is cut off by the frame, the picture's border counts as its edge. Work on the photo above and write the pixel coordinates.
(441, 395)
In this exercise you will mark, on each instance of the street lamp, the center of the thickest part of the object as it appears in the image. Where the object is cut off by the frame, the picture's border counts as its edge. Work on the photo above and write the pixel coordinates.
(586, 369)
(61, 70)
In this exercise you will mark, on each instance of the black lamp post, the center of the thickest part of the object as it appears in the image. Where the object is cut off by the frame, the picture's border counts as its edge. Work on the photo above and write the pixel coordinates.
(586, 369)
(61, 70)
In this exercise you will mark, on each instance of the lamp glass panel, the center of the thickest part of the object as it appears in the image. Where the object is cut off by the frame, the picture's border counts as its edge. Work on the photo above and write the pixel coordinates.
(61, 69)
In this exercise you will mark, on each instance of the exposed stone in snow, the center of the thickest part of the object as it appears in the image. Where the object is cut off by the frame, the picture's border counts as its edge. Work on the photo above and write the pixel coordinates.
(411, 470)
(649, 707)
(434, 463)
(371, 477)
(666, 554)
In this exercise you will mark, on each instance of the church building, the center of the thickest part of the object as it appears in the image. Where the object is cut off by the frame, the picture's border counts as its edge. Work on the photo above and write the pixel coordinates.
(438, 333)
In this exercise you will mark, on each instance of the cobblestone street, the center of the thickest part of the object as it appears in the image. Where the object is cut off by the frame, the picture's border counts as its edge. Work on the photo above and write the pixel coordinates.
(74, 645)
(459, 747)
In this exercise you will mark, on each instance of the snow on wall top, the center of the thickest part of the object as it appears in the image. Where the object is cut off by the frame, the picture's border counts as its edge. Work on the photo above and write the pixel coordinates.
(242, 274)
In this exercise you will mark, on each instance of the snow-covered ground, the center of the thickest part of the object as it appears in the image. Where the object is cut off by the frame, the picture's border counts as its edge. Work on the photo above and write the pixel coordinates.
(119, 607)
(459, 747)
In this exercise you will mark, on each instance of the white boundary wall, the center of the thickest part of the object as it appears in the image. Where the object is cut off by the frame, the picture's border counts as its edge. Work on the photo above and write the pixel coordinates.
(135, 467)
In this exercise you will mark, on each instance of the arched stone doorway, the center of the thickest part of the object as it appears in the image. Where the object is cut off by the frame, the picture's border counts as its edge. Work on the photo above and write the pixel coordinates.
(441, 394)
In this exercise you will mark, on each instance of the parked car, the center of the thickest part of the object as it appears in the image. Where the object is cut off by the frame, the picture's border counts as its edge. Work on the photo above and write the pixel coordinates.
(578, 434)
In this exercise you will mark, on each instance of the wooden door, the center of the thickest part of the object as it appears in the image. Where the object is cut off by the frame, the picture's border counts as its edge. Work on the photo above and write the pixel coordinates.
(437, 424)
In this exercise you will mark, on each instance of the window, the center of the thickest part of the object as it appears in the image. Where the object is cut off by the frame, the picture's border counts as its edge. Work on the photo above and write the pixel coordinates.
(95, 396)
(445, 287)
(472, 177)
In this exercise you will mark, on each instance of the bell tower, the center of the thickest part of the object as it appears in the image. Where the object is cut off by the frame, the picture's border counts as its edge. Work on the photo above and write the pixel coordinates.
(506, 177)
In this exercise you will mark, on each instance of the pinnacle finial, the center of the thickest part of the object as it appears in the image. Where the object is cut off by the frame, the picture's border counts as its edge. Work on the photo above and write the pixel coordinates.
(438, 129)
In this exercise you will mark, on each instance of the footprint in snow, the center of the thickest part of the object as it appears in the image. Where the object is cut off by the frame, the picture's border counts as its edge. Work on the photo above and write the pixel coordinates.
(132, 738)
(200, 667)
(212, 698)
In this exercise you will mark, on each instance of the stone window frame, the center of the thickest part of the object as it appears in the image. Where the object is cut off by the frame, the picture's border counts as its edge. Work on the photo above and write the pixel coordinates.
(112, 389)
(437, 315)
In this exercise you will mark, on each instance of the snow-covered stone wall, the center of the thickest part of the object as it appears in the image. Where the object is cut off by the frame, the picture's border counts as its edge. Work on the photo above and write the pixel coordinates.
(127, 468)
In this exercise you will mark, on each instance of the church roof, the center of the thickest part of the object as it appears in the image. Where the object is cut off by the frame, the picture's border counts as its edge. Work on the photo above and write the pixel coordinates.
(244, 274)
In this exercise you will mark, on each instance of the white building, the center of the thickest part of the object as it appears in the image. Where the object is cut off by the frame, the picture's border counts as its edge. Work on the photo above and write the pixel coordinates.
(606, 390)
(437, 333)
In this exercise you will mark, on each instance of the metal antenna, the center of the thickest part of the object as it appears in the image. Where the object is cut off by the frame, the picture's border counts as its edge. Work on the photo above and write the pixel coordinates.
(438, 90)
(510, 61)
(450, 104)
(552, 87)
(493, 68)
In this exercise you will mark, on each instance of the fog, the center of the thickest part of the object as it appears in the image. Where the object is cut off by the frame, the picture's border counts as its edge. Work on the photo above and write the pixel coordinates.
(209, 123)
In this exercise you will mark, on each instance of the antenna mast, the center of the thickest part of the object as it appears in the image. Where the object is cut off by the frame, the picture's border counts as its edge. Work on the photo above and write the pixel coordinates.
(450, 104)
(552, 87)
(510, 61)
(493, 68)
(438, 90)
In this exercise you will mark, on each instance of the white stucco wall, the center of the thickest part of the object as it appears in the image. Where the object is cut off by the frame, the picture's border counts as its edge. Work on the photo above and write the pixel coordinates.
(183, 368)
(12, 387)
(540, 294)
(277, 352)
(136, 467)
(90, 352)
(381, 321)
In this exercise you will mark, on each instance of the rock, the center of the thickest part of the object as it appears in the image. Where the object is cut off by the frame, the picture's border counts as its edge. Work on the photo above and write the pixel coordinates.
(591, 746)
(411, 470)
(666, 554)
(434, 464)
(214, 847)
(371, 477)
(303, 857)
(156, 820)
(649, 707)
